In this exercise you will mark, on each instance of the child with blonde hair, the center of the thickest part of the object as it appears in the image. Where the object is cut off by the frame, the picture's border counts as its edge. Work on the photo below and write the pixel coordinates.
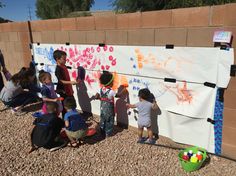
(48, 92)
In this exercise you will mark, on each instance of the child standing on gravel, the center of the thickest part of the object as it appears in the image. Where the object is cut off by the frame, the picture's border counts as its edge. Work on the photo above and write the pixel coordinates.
(64, 85)
(107, 103)
(48, 92)
(144, 115)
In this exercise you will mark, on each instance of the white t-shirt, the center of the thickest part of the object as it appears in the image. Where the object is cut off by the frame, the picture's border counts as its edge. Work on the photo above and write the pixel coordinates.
(111, 93)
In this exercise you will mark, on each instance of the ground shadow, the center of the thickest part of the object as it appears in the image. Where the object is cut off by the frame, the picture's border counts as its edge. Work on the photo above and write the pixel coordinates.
(121, 109)
(99, 137)
(33, 107)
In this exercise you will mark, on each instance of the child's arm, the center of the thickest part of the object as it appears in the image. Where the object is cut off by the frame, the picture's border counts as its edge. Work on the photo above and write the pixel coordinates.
(130, 105)
(70, 82)
(67, 123)
(50, 99)
(97, 96)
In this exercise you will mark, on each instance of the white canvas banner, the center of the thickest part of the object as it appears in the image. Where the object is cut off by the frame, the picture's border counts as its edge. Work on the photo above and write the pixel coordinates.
(147, 67)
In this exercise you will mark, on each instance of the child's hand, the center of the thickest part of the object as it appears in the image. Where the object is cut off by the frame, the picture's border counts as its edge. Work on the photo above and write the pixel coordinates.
(127, 105)
(74, 82)
(97, 96)
(55, 99)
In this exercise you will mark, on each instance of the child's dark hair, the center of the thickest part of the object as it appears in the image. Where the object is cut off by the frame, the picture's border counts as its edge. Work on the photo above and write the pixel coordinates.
(144, 93)
(57, 54)
(43, 75)
(106, 78)
(70, 103)
(51, 107)
(26, 73)
(16, 78)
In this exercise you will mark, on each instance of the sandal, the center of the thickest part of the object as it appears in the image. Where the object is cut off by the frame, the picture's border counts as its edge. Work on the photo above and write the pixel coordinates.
(74, 144)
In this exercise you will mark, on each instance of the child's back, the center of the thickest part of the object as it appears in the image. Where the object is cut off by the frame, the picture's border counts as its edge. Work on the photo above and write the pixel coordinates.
(46, 129)
(76, 121)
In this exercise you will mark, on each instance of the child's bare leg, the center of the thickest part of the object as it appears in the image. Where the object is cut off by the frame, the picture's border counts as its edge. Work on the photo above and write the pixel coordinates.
(150, 133)
(140, 133)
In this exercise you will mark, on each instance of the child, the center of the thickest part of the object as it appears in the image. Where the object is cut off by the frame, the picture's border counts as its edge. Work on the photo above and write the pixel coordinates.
(64, 85)
(46, 130)
(107, 103)
(14, 96)
(144, 110)
(48, 92)
(76, 128)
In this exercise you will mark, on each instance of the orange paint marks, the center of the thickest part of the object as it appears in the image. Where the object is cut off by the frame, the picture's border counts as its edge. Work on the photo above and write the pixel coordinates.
(115, 81)
(140, 58)
(124, 81)
(182, 93)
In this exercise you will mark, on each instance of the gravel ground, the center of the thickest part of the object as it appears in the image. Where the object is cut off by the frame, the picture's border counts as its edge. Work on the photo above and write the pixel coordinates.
(117, 155)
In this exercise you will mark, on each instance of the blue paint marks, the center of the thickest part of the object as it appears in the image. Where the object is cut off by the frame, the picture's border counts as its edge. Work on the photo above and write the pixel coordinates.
(218, 117)
(45, 53)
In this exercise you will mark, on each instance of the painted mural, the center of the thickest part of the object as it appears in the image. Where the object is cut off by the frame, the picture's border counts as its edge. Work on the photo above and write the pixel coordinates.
(136, 67)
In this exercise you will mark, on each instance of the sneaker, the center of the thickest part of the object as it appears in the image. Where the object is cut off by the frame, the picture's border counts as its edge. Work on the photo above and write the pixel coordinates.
(141, 140)
(61, 145)
(150, 141)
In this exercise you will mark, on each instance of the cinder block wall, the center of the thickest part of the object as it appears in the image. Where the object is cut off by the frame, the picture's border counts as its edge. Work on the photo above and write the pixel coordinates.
(181, 27)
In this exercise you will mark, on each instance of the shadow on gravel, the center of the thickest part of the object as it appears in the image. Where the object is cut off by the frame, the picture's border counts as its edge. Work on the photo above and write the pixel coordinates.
(99, 137)
(33, 107)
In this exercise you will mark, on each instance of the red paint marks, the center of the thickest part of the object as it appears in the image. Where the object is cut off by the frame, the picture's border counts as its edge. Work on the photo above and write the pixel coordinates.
(74, 74)
(113, 63)
(111, 49)
(105, 48)
(90, 58)
(110, 58)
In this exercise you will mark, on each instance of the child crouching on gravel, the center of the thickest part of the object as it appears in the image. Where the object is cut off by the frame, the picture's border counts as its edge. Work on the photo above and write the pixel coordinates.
(76, 127)
(144, 115)
(46, 132)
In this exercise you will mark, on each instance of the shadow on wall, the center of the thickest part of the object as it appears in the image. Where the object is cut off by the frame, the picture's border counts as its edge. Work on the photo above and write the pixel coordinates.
(121, 109)
(154, 121)
(84, 100)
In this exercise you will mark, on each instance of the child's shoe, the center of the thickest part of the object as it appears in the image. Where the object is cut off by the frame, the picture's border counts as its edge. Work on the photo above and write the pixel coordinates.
(141, 140)
(150, 141)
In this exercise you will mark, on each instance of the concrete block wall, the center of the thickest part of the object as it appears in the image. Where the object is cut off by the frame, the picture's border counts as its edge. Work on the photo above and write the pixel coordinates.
(193, 27)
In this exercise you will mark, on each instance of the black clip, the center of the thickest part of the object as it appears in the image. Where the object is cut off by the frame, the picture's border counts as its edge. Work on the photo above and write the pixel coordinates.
(38, 43)
(169, 46)
(211, 121)
(224, 47)
(209, 84)
(67, 43)
(233, 70)
(101, 44)
(69, 67)
(170, 80)
(30, 46)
